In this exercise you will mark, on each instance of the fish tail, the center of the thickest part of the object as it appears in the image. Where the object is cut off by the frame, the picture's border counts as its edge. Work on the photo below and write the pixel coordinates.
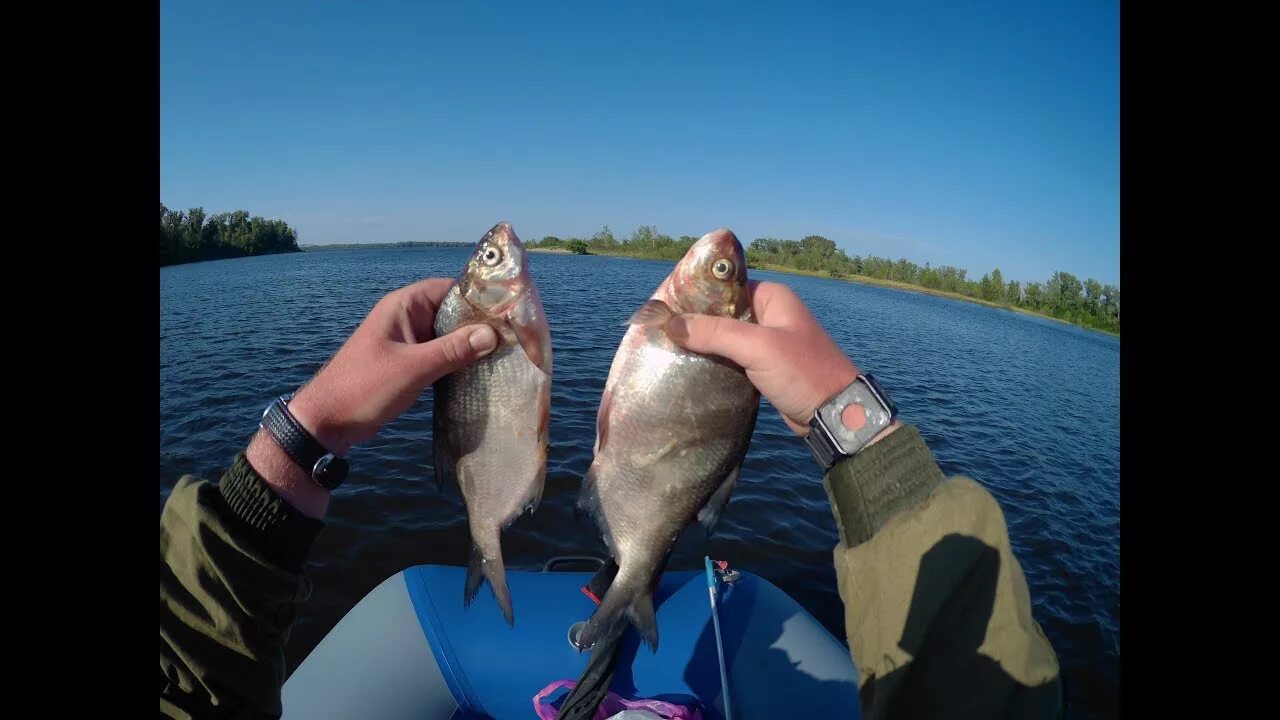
(482, 568)
(622, 602)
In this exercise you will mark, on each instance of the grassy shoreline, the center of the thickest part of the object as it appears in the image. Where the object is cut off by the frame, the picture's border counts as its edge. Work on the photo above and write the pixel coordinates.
(892, 284)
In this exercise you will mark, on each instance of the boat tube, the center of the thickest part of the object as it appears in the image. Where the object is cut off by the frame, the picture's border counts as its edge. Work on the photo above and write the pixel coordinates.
(410, 649)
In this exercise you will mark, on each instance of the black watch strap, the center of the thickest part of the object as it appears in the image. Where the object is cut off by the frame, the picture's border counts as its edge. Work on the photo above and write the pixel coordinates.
(822, 446)
(327, 469)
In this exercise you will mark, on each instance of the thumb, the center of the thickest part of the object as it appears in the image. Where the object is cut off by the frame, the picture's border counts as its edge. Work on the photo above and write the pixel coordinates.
(452, 352)
(742, 342)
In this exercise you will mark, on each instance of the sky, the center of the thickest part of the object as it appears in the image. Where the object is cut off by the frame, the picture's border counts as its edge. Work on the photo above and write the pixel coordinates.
(976, 134)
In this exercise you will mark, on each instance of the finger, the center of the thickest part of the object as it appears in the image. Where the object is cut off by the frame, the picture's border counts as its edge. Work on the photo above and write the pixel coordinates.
(742, 342)
(418, 304)
(776, 305)
(450, 353)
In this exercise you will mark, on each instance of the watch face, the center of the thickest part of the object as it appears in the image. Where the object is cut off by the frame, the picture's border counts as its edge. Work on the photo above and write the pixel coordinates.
(855, 416)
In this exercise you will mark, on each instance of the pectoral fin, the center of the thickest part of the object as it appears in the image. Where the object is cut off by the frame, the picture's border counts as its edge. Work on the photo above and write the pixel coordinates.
(530, 326)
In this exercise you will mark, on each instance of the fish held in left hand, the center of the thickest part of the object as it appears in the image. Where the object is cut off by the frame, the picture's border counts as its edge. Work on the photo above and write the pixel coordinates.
(491, 419)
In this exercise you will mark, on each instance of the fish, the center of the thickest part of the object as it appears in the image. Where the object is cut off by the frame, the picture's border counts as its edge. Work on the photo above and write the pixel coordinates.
(491, 419)
(672, 430)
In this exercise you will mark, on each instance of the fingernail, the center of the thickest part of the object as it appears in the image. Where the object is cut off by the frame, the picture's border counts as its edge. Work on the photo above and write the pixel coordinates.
(483, 339)
(677, 328)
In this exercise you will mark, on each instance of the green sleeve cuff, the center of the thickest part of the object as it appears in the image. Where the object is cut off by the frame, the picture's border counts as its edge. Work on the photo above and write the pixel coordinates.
(896, 473)
(270, 524)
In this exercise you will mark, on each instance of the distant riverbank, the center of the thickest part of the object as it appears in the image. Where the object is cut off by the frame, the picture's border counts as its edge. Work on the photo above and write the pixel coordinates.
(1012, 296)
(383, 246)
(926, 291)
(894, 284)
(1063, 297)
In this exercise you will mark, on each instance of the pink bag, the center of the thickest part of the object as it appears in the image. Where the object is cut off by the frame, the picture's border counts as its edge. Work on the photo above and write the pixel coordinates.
(613, 704)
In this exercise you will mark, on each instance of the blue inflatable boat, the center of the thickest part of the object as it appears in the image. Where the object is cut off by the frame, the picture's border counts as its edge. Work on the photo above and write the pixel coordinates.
(410, 650)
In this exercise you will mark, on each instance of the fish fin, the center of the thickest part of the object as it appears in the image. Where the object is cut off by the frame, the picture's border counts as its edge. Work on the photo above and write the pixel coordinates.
(492, 569)
(475, 576)
(710, 513)
(443, 456)
(602, 418)
(544, 424)
(622, 602)
(530, 326)
(653, 313)
(645, 620)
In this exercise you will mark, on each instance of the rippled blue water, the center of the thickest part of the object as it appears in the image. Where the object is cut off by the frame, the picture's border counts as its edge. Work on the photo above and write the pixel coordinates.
(1028, 407)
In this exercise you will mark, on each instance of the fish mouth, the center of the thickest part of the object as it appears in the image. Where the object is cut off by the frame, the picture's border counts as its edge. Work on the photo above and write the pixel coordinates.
(502, 233)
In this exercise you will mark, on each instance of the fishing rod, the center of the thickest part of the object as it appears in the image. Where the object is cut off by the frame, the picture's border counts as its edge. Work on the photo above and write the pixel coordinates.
(715, 617)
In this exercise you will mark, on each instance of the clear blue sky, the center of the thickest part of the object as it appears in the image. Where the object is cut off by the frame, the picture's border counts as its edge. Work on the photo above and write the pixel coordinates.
(974, 134)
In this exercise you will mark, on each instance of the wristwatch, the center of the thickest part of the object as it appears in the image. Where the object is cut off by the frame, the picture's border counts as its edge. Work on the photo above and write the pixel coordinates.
(325, 468)
(830, 440)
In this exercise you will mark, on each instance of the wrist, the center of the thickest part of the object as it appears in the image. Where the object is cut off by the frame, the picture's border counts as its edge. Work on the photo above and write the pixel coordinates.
(274, 528)
(321, 416)
(884, 433)
(284, 477)
(851, 420)
(832, 383)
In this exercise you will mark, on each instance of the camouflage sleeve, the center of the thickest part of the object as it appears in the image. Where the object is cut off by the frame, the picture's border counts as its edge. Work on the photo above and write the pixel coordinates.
(937, 611)
(231, 576)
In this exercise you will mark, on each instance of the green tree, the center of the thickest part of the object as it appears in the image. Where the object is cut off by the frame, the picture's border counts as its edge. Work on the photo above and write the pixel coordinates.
(996, 289)
(1033, 296)
(930, 278)
(1012, 293)
(642, 237)
(604, 238)
(766, 246)
(986, 288)
(818, 246)
(1093, 295)
(192, 236)
(1064, 292)
(905, 271)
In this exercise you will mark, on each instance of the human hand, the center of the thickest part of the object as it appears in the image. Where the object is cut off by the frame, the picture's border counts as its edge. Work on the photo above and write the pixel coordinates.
(381, 370)
(787, 354)
(385, 366)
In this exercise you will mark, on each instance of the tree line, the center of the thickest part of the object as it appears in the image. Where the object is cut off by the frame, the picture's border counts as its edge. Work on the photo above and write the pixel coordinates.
(1064, 296)
(192, 236)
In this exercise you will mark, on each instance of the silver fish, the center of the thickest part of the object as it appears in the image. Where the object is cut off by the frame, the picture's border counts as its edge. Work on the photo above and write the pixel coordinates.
(671, 432)
(491, 419)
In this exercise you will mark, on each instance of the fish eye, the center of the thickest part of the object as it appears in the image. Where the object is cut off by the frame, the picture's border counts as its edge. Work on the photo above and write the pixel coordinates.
(722, 269)
(491, 256)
